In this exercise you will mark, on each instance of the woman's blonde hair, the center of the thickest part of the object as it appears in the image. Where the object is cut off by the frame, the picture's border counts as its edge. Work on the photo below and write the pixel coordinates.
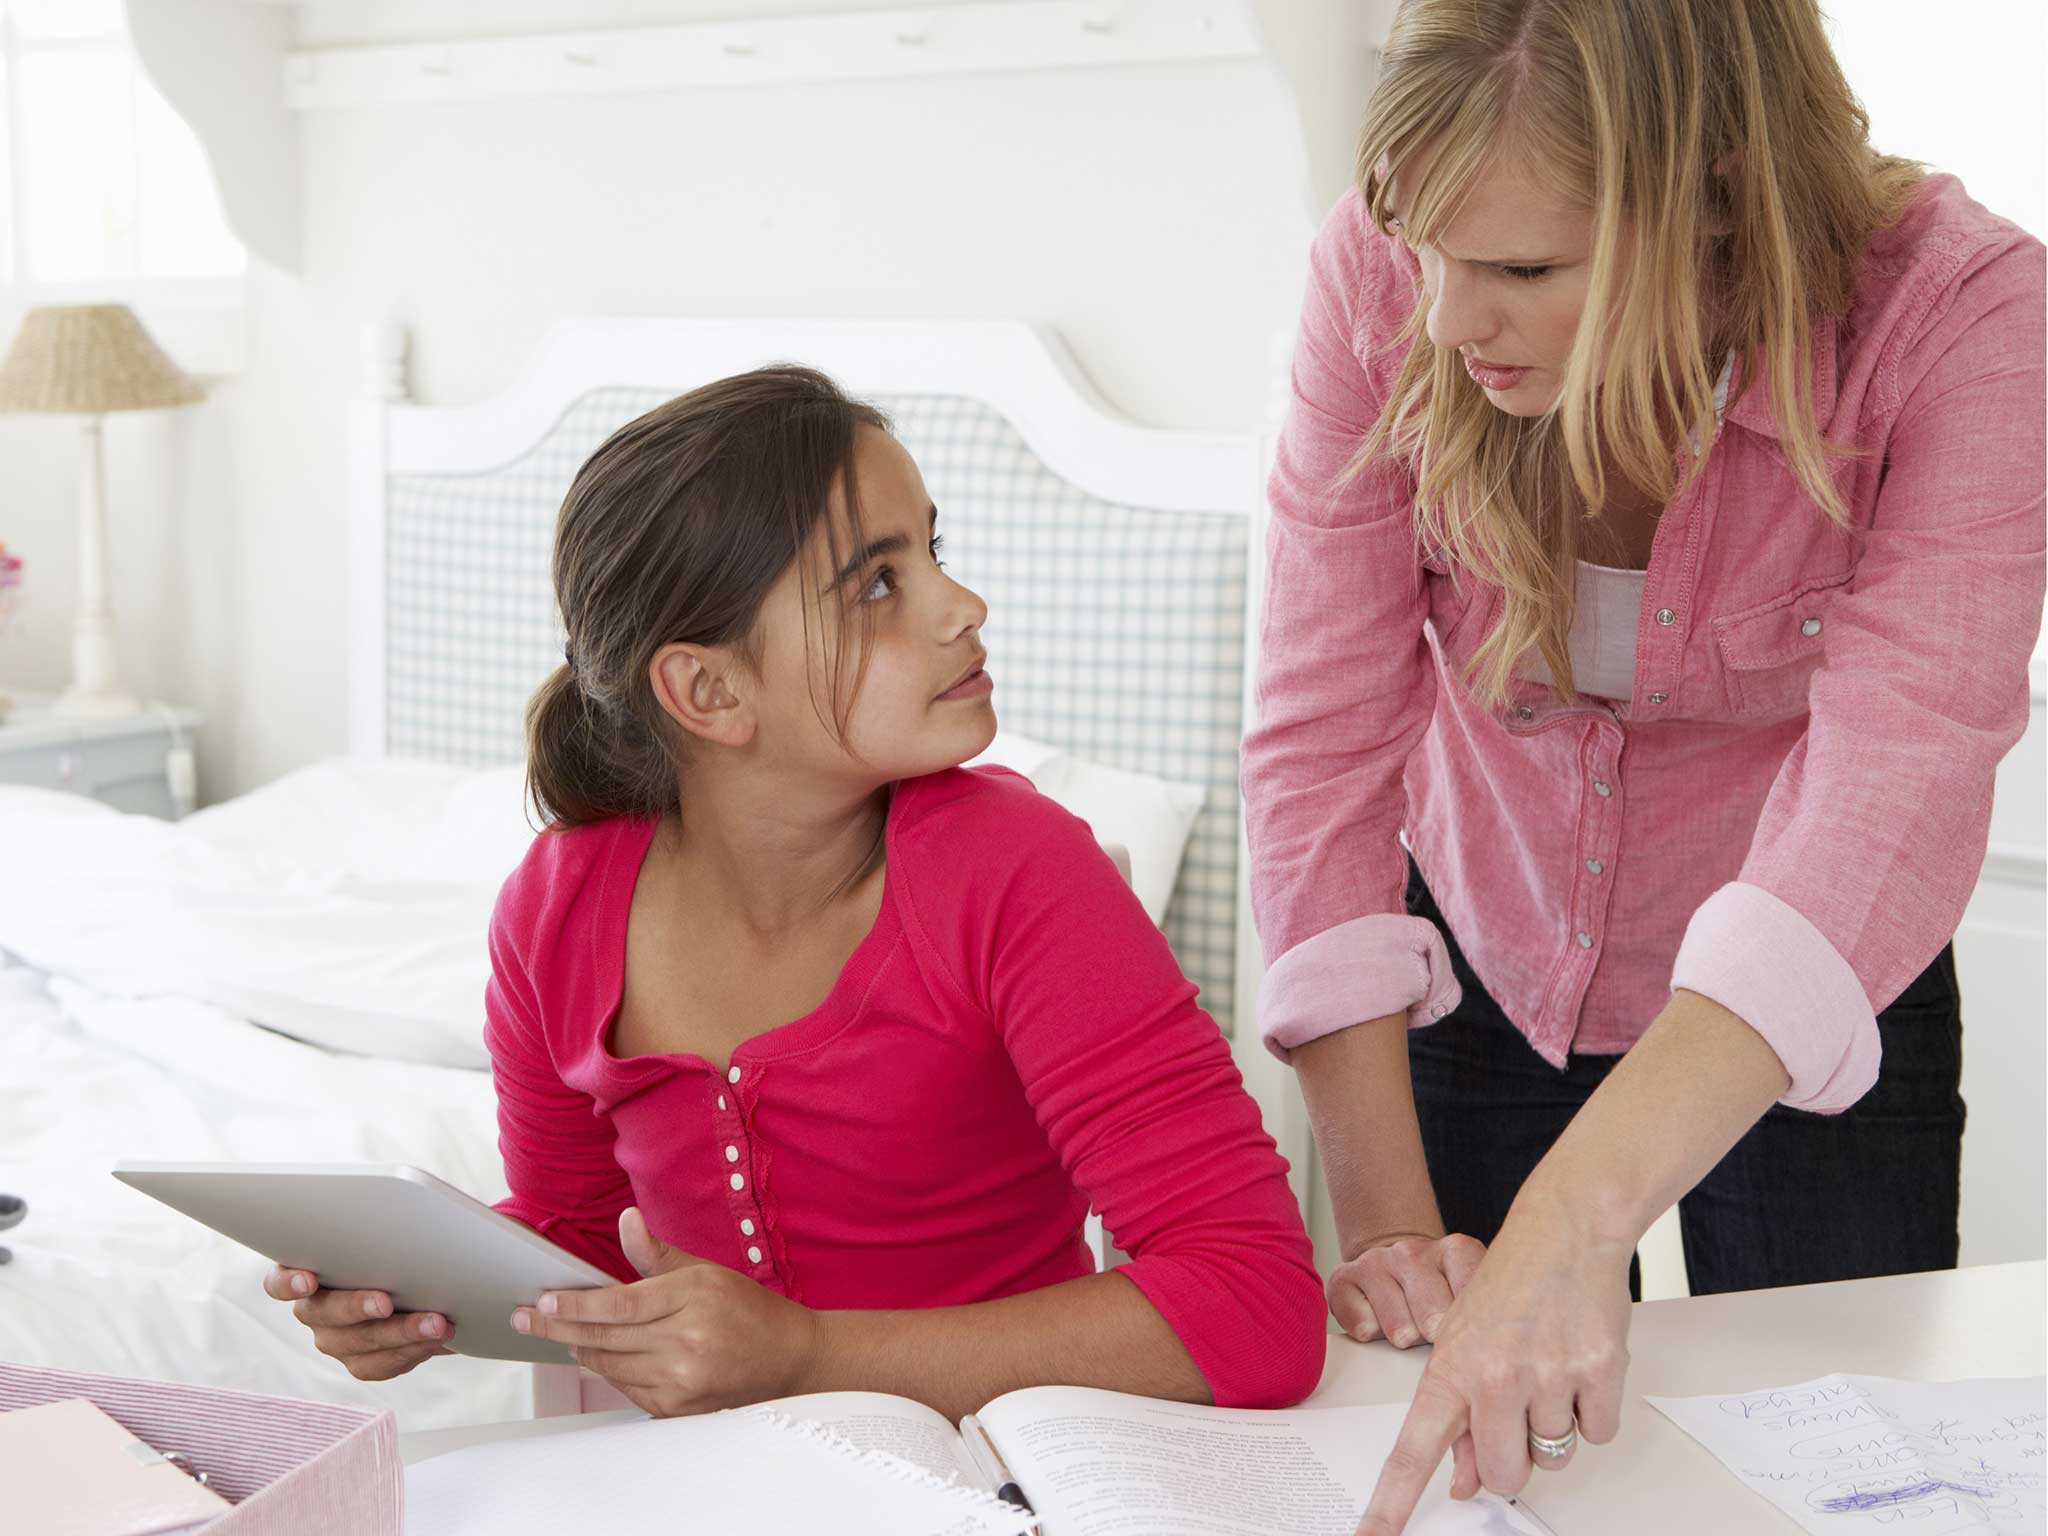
(1717, 144)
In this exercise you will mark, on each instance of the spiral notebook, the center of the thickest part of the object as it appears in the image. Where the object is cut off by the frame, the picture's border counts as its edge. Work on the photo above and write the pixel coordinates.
(746, 1470)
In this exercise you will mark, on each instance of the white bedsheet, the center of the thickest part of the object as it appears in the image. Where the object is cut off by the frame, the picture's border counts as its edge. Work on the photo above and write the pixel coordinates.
(106, 1279)
(346, 905)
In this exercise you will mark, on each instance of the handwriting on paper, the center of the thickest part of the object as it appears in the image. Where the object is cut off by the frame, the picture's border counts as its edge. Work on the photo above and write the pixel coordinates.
(1847, 1453)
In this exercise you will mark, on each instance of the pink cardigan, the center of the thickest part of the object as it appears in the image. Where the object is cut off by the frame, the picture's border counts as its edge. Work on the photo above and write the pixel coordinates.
(1011, 1042)
(1790, 812)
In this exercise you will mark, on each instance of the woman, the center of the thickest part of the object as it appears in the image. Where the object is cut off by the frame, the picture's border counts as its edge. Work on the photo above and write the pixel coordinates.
(1657, 542)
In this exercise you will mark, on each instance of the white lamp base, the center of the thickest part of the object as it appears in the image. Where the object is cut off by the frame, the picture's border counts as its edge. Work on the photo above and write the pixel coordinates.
(95, 692)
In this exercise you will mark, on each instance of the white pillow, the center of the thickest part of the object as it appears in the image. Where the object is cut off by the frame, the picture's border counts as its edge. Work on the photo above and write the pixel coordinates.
(376, 821)
(1149, 818)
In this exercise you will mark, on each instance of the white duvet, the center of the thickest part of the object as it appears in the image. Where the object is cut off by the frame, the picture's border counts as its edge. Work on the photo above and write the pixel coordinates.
(105, 1279)
(347, 905)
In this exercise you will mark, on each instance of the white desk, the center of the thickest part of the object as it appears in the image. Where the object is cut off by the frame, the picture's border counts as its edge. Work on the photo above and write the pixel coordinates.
(1932, 1327)
(1655, 1477)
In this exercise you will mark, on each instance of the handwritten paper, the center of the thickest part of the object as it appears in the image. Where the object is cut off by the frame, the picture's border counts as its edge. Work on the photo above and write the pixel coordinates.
(1851, 1453)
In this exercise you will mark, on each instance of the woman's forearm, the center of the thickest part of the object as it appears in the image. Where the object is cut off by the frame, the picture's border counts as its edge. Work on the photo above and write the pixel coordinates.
(1097, 1331)
(1685, 1093)
(1362, 1110)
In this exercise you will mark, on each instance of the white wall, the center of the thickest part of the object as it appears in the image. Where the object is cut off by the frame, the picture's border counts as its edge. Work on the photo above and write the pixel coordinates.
(1158, 217)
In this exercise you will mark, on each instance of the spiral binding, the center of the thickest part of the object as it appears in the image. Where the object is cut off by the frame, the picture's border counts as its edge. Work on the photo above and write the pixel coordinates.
(893, 1467)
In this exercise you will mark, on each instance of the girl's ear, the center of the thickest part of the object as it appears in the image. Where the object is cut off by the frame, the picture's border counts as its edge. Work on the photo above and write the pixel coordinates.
(703, 690)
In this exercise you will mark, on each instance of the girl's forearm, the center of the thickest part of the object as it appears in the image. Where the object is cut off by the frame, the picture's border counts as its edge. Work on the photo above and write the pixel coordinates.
(1362, 1109)
(1096, 1331)
(1686, 1092)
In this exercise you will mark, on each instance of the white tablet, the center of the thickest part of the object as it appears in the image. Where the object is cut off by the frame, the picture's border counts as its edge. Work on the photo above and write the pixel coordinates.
(382, 1227)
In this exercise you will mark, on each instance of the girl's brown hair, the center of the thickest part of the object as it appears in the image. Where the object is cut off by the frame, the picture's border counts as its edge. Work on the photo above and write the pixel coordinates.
(674, 530)
(1714, 141)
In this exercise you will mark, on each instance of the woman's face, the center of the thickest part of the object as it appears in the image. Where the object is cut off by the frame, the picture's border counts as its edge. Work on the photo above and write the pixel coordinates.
(924, 703)
(1506, 282)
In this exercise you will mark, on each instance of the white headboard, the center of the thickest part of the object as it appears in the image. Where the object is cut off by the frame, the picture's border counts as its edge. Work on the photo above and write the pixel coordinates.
(1118, 560)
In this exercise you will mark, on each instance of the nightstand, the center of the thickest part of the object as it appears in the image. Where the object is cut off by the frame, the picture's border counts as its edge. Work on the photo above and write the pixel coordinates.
(140, 762)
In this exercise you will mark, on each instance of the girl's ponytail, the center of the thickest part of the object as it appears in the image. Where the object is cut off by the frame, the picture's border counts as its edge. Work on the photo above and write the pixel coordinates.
(583, 765)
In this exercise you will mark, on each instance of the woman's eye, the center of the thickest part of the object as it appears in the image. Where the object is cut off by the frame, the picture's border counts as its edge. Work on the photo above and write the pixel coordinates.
(882, 586)
(1527, 274)
(938, 543)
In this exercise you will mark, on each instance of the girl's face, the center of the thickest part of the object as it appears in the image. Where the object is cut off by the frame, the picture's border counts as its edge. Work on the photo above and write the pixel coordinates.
(1506, 283)
(923, 703)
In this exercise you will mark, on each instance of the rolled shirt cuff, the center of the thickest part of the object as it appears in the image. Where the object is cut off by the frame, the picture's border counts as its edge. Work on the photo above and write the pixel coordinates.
(1767, 964)
(1367, 968)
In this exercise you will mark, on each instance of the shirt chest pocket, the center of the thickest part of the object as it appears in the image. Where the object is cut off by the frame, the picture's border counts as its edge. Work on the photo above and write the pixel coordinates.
(1768, 654)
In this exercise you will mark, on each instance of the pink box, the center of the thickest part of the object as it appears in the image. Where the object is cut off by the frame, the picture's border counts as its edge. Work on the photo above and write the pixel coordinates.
(290, 1468)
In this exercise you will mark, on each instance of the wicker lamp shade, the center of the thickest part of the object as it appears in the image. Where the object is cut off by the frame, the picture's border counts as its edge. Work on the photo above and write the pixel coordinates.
(88, 358)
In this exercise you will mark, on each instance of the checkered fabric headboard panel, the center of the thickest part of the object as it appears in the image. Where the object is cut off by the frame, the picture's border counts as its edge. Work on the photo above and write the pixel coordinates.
(1114, 632)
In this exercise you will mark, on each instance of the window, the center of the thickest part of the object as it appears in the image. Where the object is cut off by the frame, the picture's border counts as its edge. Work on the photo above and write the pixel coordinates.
(103, 188)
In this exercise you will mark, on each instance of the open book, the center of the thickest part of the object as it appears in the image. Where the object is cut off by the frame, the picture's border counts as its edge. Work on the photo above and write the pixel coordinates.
(1092, 1462)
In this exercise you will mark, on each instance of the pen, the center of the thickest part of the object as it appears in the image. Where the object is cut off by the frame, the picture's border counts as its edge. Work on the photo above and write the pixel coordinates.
(1007, 1488)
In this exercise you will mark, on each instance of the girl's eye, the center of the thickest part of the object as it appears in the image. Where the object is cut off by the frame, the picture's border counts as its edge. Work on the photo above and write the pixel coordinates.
(882, 586)
(938, 543)
(1527, 274)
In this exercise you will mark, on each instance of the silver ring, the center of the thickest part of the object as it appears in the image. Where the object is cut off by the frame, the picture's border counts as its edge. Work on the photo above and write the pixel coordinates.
(1558, 1449)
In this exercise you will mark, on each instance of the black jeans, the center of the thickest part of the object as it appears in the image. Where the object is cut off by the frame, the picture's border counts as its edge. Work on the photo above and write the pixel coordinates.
(1801, 1198)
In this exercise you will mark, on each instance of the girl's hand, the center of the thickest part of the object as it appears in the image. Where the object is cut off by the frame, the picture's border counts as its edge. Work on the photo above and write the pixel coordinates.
(358, 1328)
(691, 1337)
(1537, 1342)
(1402, 1286)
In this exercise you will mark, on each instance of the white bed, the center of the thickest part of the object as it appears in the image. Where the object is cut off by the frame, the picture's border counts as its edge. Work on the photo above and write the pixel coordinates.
(133, 954)
(298, 973)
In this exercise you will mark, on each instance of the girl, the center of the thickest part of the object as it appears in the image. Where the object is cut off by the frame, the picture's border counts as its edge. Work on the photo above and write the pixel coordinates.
(1657, 539)
(829, 1041)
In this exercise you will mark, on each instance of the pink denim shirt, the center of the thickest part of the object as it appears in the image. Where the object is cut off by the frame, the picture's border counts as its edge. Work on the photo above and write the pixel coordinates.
(1789, 813)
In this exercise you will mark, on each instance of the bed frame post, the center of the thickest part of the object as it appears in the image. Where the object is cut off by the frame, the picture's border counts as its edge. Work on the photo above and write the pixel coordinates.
(384, 345)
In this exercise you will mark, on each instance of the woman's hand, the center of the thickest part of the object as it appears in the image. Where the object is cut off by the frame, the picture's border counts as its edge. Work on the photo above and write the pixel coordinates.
(691, 1337)
(359, 1328)
(1538, 1342)
(1400, 1288)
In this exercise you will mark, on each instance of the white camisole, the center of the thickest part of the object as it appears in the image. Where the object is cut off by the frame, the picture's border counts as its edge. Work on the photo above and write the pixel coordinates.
(1603, 637)
(1610, 605)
